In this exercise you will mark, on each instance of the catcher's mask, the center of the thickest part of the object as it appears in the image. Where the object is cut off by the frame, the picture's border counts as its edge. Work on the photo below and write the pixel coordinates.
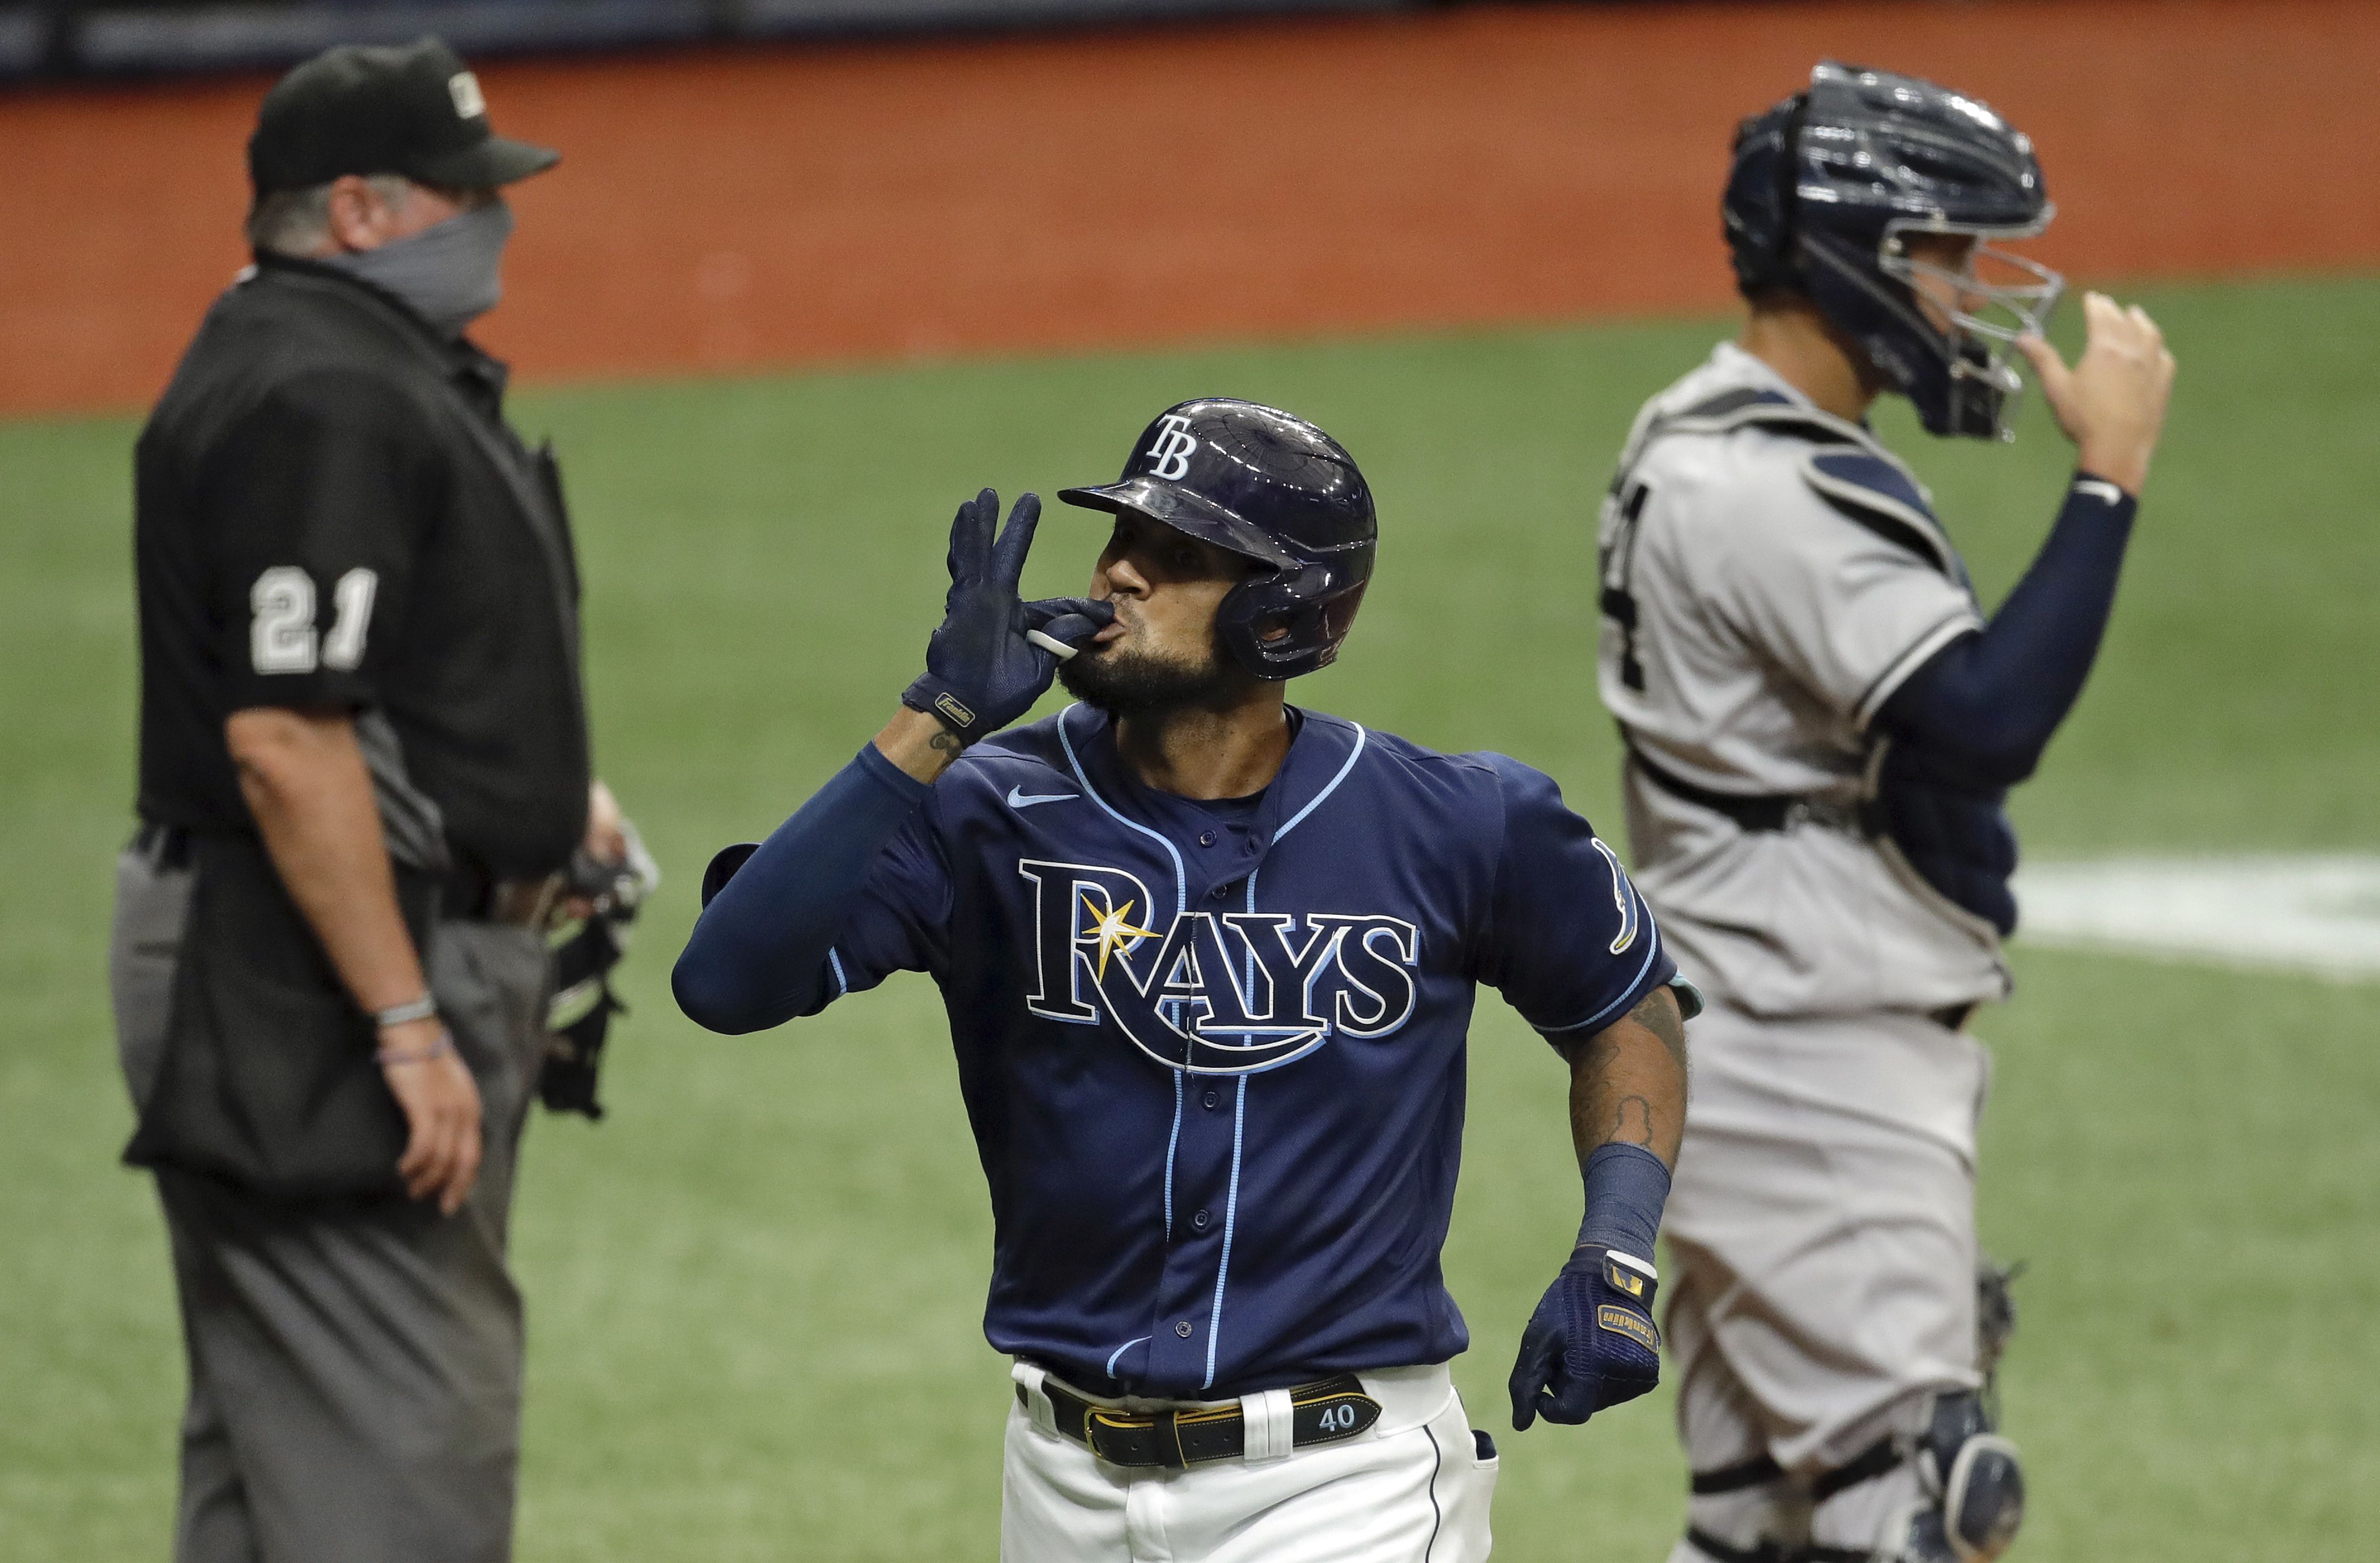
(1829, 186)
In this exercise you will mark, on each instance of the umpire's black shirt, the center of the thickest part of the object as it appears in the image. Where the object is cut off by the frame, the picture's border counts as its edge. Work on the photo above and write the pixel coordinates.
(332, 515)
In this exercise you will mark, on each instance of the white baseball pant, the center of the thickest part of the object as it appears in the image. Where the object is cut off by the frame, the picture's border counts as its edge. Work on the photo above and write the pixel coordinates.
(1412, 1489)
(1821, 1286)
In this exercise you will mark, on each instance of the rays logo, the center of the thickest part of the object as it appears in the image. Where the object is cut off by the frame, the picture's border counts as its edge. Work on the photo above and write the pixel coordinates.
(1168, 453)
(1213, 992)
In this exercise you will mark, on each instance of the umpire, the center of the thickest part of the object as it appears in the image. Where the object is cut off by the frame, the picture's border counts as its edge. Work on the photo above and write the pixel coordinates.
(363, 768)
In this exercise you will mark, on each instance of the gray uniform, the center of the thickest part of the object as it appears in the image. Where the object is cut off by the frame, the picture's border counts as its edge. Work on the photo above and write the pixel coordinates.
(305, 1435)
(1761, 608)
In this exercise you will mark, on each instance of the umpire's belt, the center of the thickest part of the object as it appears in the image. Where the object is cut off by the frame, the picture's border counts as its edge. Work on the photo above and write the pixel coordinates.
(470, 895)
(1326, 1412)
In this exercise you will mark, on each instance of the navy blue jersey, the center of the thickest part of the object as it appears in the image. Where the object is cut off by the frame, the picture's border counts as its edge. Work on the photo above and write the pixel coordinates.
(1214, 1058)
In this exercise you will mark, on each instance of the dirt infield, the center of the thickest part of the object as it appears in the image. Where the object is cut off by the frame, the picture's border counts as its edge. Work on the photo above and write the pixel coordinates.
(742, 208)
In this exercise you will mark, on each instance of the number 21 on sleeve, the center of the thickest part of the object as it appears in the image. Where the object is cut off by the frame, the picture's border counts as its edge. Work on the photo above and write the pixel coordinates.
(281, 635)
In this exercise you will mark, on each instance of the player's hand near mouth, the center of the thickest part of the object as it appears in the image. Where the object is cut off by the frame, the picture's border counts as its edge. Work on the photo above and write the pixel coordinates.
(994, 654)
(2111, 403)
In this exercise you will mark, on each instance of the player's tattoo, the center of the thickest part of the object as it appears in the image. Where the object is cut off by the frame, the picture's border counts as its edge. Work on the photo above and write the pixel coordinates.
(1631, 1122)
(1623, 1089)
(946, 741)
(1658, 1012)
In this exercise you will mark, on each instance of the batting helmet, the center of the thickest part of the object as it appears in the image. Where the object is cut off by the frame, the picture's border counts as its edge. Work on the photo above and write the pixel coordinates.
(1827, 185)
(1262, 483)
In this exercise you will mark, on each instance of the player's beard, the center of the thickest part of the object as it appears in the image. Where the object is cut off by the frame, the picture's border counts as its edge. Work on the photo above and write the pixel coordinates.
(1134, 684)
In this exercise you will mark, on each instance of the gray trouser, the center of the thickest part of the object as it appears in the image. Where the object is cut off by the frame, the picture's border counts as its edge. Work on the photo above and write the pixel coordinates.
(1821, 1289)
(354, 1372)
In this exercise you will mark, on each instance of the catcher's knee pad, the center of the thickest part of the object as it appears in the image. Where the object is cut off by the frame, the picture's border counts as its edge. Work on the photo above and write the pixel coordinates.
(1972, 1489)
(1951, 1492)
(1983, 1499)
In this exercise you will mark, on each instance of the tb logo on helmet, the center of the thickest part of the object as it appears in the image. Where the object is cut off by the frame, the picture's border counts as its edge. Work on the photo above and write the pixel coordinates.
(1168, 453)
(1213, 992)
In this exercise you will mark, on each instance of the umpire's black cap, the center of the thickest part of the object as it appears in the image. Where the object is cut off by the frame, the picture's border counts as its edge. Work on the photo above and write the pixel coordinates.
(414, 110)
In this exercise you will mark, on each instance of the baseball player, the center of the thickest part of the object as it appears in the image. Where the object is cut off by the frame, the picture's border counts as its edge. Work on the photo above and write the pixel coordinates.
(1209, 961)
(1821, 726)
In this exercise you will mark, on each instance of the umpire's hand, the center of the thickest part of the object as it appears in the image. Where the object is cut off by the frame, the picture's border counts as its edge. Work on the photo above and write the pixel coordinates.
(1590, 1345)
(441, 1111)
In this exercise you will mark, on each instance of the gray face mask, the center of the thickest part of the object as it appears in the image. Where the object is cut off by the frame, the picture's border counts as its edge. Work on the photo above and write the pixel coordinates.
(448, 272)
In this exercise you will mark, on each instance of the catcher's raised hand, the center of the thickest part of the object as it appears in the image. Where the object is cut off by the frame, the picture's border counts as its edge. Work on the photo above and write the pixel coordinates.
(994, 653)
(2112, 403)
(1591, 1344)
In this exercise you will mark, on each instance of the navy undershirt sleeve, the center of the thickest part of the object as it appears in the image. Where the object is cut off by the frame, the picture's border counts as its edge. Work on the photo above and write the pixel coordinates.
(1988, 702)
(759, 954)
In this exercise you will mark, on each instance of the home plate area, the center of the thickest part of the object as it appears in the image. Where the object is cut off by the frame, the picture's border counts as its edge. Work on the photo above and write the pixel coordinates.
(2318, 915)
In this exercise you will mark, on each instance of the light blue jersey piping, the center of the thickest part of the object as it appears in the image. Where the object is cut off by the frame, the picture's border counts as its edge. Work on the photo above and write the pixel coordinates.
(1240, 1106)
(1181, 904)
(1231, 1217)
(1181, 881)
(1652, 953)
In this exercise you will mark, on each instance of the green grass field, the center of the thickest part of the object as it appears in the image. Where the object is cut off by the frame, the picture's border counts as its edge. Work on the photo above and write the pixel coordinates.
(755, 1291)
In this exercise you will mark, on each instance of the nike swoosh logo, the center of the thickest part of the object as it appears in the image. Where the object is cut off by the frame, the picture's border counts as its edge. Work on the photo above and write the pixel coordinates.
(1017, 799)
(2100, 489)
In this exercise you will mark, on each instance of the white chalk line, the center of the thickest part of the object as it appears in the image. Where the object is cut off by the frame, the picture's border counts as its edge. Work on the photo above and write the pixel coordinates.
(2319, 914)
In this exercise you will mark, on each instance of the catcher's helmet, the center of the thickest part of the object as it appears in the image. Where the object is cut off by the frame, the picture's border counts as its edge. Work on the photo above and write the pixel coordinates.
(1260, 482)
(1827, 185)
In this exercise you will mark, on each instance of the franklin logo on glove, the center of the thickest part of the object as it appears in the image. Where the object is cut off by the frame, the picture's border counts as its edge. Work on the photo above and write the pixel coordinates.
(994, 654)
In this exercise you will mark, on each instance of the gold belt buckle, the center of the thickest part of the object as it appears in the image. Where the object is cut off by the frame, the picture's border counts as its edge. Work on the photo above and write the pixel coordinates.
(526, 903)
(1169, 1452)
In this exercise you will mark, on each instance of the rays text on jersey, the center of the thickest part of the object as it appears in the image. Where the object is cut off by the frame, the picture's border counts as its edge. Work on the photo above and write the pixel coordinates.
(1213, 992)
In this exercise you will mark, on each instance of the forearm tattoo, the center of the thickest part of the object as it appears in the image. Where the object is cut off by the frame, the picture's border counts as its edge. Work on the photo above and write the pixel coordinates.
(1658, 1012)
(946, 741)
(1631, 1122)
(1611, 1103)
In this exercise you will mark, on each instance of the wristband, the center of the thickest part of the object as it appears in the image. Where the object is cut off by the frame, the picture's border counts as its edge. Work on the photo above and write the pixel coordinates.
(421, 1009)
(438, 1049)
(2089, 485)
(957, 716)
(1626, 1186)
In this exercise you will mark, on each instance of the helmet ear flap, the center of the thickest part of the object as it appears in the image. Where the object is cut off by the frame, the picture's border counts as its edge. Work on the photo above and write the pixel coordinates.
(1310, 608)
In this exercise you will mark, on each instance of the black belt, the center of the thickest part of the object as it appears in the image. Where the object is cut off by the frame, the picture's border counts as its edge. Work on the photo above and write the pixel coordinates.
(165, 847)
(1779, 811)
(469, 895)
(1325, 1412)
(1773, 1552)
(1754, 811)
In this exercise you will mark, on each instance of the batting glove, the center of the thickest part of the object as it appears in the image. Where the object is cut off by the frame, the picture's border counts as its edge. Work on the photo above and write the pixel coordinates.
(995, 655)
(1591, 1344)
